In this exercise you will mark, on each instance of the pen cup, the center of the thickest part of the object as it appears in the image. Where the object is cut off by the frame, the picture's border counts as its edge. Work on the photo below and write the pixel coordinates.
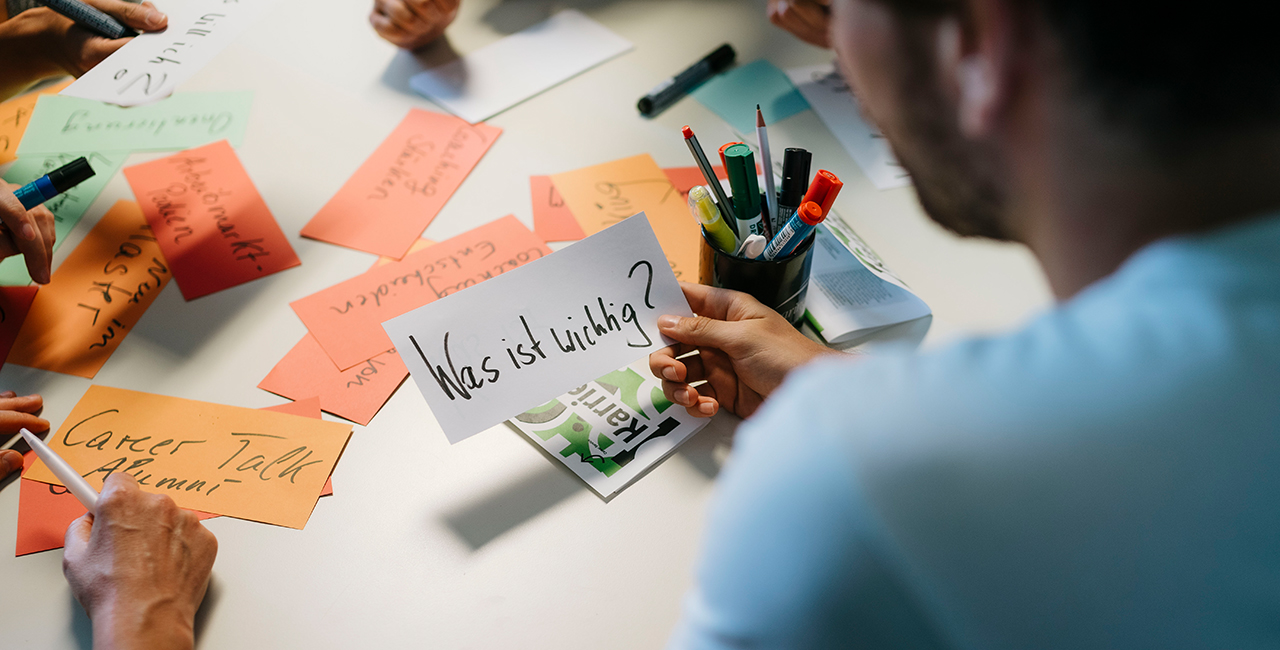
(780, 284)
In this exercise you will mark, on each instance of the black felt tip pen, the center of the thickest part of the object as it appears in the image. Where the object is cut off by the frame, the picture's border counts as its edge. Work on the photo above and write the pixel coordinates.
(667, 92)
(89, 18)
(54, 183)
(795, 182)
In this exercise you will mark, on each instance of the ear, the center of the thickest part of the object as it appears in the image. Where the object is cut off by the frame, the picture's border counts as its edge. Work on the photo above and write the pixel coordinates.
(977, 49)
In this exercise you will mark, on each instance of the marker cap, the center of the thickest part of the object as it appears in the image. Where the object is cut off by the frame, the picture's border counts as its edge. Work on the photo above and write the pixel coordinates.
(824, 189)
(811, 213)
(71, 174)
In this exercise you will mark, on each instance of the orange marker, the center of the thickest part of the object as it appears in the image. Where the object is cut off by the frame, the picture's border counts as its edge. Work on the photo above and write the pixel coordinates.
(823, 191)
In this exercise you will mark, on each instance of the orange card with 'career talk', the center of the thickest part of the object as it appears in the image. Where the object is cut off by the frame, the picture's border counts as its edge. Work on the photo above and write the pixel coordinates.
(95, 296)
(14, 116)
(396, 193)
(239, 462)
(45, 511)
(606, 194)
(346, 319)
(213, 226)
(552, 220)
(15, 302)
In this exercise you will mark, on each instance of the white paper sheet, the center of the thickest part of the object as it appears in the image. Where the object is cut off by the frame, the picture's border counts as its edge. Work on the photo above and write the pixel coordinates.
(499, 76)
(518, 340)
(851, 292)
(828, 94)
(611, 430)
(153, 65)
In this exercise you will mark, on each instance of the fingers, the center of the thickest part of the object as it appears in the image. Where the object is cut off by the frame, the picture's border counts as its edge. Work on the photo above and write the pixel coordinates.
(77, 539)
(144, 17)
(44, 217)
(10, 401)
(95, 50)
(19, 412)
(722, 304)
(7, 394)
(806, 19)
(10, 462)
(701, 331)
(25, 235)
(412, 23)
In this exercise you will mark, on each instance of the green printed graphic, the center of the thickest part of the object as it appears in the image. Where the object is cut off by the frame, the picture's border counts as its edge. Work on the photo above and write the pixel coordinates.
(577, 432)
(628, 382)
(542, 414)
(660, 401)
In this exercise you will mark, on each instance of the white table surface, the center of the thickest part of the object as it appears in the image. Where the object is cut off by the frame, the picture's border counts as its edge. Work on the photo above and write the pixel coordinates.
(485, 544)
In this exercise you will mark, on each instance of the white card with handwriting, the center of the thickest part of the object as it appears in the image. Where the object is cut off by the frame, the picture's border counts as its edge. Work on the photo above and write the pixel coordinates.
(151, 66)
(513, 342)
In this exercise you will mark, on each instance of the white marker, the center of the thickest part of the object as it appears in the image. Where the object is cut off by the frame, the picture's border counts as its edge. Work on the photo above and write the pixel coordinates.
(85, 493)
(751, 247)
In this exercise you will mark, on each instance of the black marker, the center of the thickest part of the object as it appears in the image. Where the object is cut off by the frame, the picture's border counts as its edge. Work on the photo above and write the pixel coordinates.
(795, 182)
(89, 18)
(667, 92)
(54, 183)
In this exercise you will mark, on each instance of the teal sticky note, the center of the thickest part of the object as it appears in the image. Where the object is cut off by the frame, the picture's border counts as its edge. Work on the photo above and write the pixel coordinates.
(67, 208)
(734, 95)
(185, 120)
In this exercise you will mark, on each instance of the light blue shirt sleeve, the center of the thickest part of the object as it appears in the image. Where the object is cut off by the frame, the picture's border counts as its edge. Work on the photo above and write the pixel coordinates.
(790, 560)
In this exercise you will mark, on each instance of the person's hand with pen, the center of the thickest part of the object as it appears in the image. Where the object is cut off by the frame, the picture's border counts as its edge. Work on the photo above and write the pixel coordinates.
(411, 24)
(17, 413)
(745, 350)
(40, 44)
(26, 232)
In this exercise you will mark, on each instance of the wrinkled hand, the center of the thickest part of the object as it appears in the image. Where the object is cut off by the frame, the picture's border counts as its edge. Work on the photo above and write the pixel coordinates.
(17, 413)
(77, 50)
(807, 19)
(745, 350)
(412, 24)
(140, 567)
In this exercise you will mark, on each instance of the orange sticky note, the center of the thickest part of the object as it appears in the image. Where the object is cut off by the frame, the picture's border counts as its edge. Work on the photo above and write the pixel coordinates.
(603, 195)
(346, 319)
(15, 302)
(14, 116)
(45, 511)
(686, 178)
(95, 297)
(552, 220)
(213, 226)
(356, 393)
(244, 463)
(396, 193)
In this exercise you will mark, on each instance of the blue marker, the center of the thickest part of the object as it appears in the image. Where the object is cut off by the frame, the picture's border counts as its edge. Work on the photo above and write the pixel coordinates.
(89, 18)
(54, 183)
(794, 232)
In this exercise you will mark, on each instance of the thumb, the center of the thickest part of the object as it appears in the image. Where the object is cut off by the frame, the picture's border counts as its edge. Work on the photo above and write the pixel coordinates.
(77, 537)
(701, 331)
(10, 461)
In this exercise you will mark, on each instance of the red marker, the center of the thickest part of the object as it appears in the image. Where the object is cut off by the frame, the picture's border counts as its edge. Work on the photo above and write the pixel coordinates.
(823, 191)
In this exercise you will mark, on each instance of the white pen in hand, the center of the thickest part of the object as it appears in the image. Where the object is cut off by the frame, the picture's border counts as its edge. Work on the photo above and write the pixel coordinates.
(85, 493)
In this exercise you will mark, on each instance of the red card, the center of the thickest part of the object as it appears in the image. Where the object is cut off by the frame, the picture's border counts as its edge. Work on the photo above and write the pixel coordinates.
(45, 511)
(396, 193)
(552, 220)
(356, 393)
(213, 226)
(15, 302)
(346, 319)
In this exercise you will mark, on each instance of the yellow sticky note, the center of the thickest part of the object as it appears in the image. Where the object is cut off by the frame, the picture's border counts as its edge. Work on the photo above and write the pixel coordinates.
(246, 463)
(14, 116)
(606, 194)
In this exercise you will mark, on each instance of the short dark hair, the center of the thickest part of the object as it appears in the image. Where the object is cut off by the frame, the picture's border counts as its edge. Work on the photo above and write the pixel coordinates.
(1169, 72)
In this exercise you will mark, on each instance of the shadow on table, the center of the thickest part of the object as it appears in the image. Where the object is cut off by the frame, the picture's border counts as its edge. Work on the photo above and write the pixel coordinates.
(184, 327)
(484, 520)
(405, 64)
(707, 450)
(511, 16)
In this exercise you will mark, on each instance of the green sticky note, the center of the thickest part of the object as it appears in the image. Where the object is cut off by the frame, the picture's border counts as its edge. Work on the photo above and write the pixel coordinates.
(67, 208)
(185, 120)
(734, 95)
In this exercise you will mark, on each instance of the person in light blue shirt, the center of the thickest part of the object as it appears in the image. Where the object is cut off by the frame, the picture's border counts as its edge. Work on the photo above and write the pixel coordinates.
(1106, 476)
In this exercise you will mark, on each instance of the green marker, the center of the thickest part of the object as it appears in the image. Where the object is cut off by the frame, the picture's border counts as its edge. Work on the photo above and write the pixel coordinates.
(740, 162)
(708, 215)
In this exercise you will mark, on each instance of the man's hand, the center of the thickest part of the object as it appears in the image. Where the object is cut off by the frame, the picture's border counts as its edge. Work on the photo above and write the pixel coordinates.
(807, 19)
(139, 567)
(412, 24)
(29, 232)
(745, 350)
(74, 49)
(17, 413)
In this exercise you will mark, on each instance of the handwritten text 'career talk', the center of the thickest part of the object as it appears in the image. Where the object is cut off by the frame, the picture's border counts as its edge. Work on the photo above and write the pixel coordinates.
(602, 321)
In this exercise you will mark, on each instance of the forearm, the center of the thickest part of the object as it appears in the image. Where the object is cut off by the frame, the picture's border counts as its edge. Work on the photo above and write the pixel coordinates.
(156, 625)
(23, 45)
